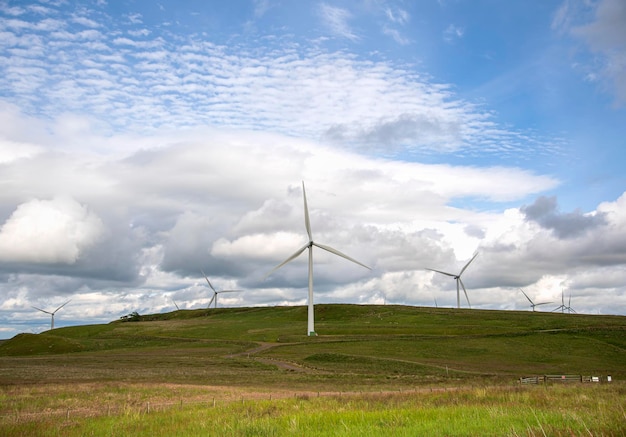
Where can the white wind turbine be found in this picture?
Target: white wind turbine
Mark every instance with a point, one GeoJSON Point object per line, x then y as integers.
{"type": "Point", "coordinates": [215, 292]}
{"type": "Point", "coordinates": [458, 280]}
{"type": "Point", "coordinates": [52, 313]}
{"type": "Point", "coordinates": [564, 307]}
{"type": "Point", "coordinates": [309, 245]}
{"type": "Point", "coordinates": [533, 304]}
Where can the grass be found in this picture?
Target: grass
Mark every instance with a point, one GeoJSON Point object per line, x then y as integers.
{"type": "Point", "coordinates": [486, 411]}
{"type": "Point", "coordinates": [388, 358]}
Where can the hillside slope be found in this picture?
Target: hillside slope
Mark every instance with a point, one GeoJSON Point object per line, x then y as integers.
{"type": "Point", "coordinates": [358, 345]}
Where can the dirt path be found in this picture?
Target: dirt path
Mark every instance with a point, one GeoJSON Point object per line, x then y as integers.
{"type": "Point", "coordinates": [281, 364]}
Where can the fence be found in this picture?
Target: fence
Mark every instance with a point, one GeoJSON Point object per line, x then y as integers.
{"type": "Point", "coordinates": [562, 379]}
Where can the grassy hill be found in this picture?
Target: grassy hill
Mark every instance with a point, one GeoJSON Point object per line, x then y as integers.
{"type": "Point", "coordinates": [362, 347]}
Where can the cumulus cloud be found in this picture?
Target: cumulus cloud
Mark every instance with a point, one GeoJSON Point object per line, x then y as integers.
{"type": "Point", "coordinates": [53, 231]}
{"type": "Point", "coordinates": [565, 225]}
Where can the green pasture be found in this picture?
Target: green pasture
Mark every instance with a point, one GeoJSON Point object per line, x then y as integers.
{"type": "Point", "coordinates": [253, 371]}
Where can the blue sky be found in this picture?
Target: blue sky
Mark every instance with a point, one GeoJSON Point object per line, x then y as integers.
{"type": "Point", "coordinates": [141, 142]}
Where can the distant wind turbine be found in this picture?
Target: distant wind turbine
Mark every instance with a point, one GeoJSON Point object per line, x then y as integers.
{"type": "Point", "coordinates": [458, 280]}
{"type": "Point", "coordinates": [215, 292]}
{"type": "Point", "coordinates": [533, 304]}
{"type": "Point", "coordinates": [569, 305]}
{"type": "Point", "coordinates": [309, 245]}
{"type": "Point", "coordinates": [52, 313]}
{"type": "Point", "coordinates": [564, 307]}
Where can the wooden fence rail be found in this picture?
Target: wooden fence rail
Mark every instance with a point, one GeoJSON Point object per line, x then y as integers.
{"type": "Point", "coordinates": [562, 379]}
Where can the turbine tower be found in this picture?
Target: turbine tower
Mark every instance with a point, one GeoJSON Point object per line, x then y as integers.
{"type": "Point", "coordinates": [309, 245]}
{"type": "Point", "coordinates": [52, 313]}
{"type": "Point", "coordinates": [533, 304]}
{"type": "Point", "coordinates": [215, 292]}
{"type": "Point", "coordinates": [458, 280]}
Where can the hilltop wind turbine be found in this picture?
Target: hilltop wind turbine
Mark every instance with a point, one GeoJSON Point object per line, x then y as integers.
{"type": "Point", "coordinates": [309, 245]}
{"type": "Point", "coordinates": [458, 280]}
{"type": "Point", "coordinates": [564, 307]}
{"type": "Point", "coordinates": [215, 292]}
{"type": "Point", "coordinates": [533, 304]}
{"type": "Point", "coordinates": [52, 313]}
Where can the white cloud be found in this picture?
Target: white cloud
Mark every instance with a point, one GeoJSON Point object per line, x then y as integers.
{"type": "Point", "coordinates": [453, 33]}
{"type": "Point", "coordinates": [135, 18]}
{"type": "Point", "coordinates": [143, 84]}
{"type": "Point", "coordinates": [261, 7]}
{"type": "Point", "coordinates": [48, 231]}
{"type": "Point", "coordinates": [399, 16]}
{"type": "Point", "coordinates": [601, 26]}
{"type": "Point", "coordinates": [396, 35]}
{"type": "Point", "coordinates": [84, 21]}
{"type": "Point", "coordinates": [336, 19]}
{"type": "Point", "coordinates": [12, 150]}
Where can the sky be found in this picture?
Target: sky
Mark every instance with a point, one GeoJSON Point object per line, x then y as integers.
{"type": "Point", "coordinates": [142, 142]}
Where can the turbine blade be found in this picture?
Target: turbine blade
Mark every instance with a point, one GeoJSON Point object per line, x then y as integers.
{"type": "Point", "coordinates": [212, 299]}
{"type": "Point", "coordinates": [531, 302]}
{"type": "Point", "coordinates": [468, 263]}
{"type": "Point", "coordinates": [228, 291]}
{"type": "Point", "coordinates": [43, 311]}
{"type": "Point", "coordinates": [336, 252]}
{"type": "Point", "coordinates": [465, 291]}
{"type": "Point", "coordinates": [292, 257]}
{"type": "Point", "coordinates": [543, 303]}
{"type": "Point", "coordinates": [307, 222]}
{"type": "Point", "coordinates": [54, 312]}
{"type": "Point", "coordinates": [207, 280]}
{"type": "Point", "coordinates": [443, 273]}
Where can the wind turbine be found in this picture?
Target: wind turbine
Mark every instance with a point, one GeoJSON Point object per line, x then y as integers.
{"type": "Point", "coordinates": [569, 305]}
{"type": "Point", "coordinates": [533, 304]}
{"type": "Point", "coordinates": [458, 280]}
{"type": "Point", "coordinates": [175, 304]}
{"type": "Point", "coordinates": [564, 307]}
{"type": "Point", "coordinates": [309, 245]}
{"type": "Point", "coordinates": [215, 292]}
{"type": "Point", "coordinates": [52, 313]}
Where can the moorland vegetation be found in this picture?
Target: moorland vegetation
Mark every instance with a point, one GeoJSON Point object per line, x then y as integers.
{"type": "Point", "coordinates": [370, 371]}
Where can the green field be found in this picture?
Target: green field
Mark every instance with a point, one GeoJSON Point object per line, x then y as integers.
{"type": "Point", "coordinates": [371, 368]}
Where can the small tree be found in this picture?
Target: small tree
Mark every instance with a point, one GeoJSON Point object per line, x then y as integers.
{"type": "Point", "coordinates": [132, 317]}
